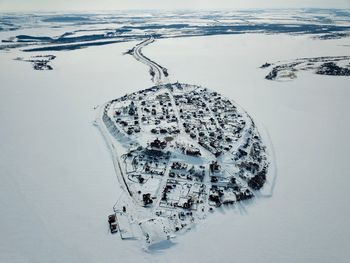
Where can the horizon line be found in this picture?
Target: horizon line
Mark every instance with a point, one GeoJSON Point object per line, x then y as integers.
{"type": "Point", "coordinates": [171, 9]}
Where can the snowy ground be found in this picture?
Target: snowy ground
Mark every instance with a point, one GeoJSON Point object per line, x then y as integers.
{"type": "Point", "coordinates": [57, 179]}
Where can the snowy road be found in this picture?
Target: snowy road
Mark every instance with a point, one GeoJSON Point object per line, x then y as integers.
{"type": "Point", "coordinates": [157, 72]}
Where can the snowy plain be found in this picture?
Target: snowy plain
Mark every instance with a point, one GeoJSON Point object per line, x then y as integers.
{"type": "Point", "coordinates": [58, 183]}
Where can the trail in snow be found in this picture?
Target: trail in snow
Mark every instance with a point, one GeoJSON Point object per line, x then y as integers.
{"type": "Point", "coordinates": [158, 72]}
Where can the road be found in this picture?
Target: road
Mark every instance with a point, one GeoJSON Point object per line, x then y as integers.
{"type": "Point", "coordinates": [158, 72]}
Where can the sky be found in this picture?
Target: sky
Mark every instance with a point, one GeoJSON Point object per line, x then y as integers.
{"type": "Point", "coordinates": [90, 5]}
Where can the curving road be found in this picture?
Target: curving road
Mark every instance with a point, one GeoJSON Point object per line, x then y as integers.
{"type": "Point", "coordinates": [158, 72]}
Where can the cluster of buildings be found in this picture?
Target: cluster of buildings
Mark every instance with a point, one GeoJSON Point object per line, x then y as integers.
{"type": "Point", "coordinates": [211, 120]}
{"type": "Point", "coordinates": [184, 150]}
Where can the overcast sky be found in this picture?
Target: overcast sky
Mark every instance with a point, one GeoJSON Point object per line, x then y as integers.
{"type": "Point", "coordinates": [89, 5]}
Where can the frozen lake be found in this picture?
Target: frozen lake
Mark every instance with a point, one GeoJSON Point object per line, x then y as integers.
{"type": "Point", "coordinates": [57, 179]}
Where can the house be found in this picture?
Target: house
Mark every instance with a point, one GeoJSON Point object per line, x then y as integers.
{"type": "Point", "coordinates": [157, 144]}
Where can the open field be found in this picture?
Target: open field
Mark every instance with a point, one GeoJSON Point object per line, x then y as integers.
{"type": "Point", "coordinates": [58, 183]}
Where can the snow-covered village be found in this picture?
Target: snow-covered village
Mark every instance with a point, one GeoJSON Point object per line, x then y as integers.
{"type": "Point", "coordinates": [181, 151]}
